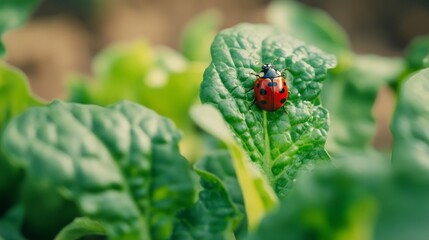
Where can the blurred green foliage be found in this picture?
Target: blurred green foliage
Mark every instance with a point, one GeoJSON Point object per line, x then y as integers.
{"type": "Point", "coordinates": [159, 78]}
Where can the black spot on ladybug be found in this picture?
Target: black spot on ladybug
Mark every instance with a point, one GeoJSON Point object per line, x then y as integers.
{"type": "Point", "coordinates": [283, 100]}
{"type": "Point", "coordinates": [263, 91]}
{"type": "Point", "coordinates": [258, 85]}
{"type": "Point", "coordinates": [263, 102]}
{"type": "Point", "coordinates": [282, 90]}
{"type": "Point", "coordinates": [272, 84]}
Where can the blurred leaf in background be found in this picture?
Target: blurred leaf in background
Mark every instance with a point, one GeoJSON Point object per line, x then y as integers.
{"type": "Point", "coordinates": [360, 199]}
{"type": "Point", "coordinates": [157, 77]}
{"type": "Point", "coordinates": [312, 25]}
{"type": "Point", "coordinates": [410, 126]}
{"type": "Point", "coordinates": [350, 97]}
{"type": "Point", "coordinates": [417, 54]}
{"type": "Point", "coordinates": [198, 35]}
{"type": "Point", "coordinates": [13, 13]}
{"type": "Point", "coordinates": [119, 166]}
{"type": "Point", "coordinates": [15, 97]}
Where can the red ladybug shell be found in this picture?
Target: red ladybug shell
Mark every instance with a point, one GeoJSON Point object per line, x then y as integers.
{"type": "Point", "coordinates": [270, 89]}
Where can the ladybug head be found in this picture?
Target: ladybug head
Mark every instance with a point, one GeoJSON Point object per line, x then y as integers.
{"type": "Point", "coordinates": [268, 71]}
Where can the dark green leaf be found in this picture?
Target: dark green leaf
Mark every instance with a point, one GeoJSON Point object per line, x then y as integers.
{"type": "Point", "coordinates": [118, 166]}
{"type": "Point", "coordinates": [10, 224]}
{"type": "Point", "coordinates": [410, 125]}
{"type": "Point", "coordinates": [81, 227]}
{"type": "Point", "coordinates": [281, 144]}
{"type": "Point", "coordinates": [215, 215]}
{"type": "Point", "coordinates": [258, 196]}
{"type": "Point", "coordinates": [360, 200]}
{"type": "Point", "coordinates": [417, 55]}
{"type": "Point", "coordinates": [220, 164]}
{"type": "Point", "coordinates": [13, 13]}
{"type": "Point", "coordinates": [349, 97]}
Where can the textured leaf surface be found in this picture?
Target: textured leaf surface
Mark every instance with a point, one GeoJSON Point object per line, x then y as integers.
{"type": "Point", "coordinates": [115, 165]}
{"type": "Point", "coordinates": [258, 196]}
{"type": "Point", "coordinates": [13, 13]}
{"type": "Point", "coordinates": [215, 215]}
{"type": "Point", "coordinates": [410, 125]}
{"type": "Point", "coordinates": [279, 143]}
{"type": "Point", "coordinates": [349, 97]}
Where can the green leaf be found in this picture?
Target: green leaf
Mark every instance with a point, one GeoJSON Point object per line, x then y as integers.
{"type": "Point", "coordinates": [311, 25]}
{"type": "Point", "coordinates": [15, 97]}
{"type": "Point", "coordinates": [258, 197]}
{"type": "Point", "coordinates": [280, 144]}
{"type": "Point", "coordinates": [13, 13]}
{"type": "Point", "coordinates": [417, 53]}
{"type": "Point", "coordinates": [410, 125]}
{"type": "Point", "coordinates": [199, 34]}
{"type": "Point", "coordinates": [360, 199]}
{"type": "Point", "coordinates": [119, 166]}
{"type": "Point", "coordinates": [81, 227]}
{"type": "Point", "coordinates": [10, 224]}
{"type": "Point", "coordinates": [349, 97]}
{"type": "Point", "coordinates": [220, 164]}
{"type": "Point", "coordinates": [158, 78]}
{"type": "Point", "coordinates": [215, 214]}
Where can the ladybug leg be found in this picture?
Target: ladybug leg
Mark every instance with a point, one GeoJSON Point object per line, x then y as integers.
{"type": "Point", "coordinates": [284, 109]}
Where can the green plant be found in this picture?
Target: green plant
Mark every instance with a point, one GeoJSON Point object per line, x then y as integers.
{"type": "Point", "coordinates": [96, 165]}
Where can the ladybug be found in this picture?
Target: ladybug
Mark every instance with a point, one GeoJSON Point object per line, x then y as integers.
{"type": "Point", "coordinates": [270, 89]}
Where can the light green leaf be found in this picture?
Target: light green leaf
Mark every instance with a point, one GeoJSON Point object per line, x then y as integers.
{"type": "Point", "coordinates": [349, 97]}
{"type": "Point", "coordinates": [15, 95]}
{"type": "Point", "coordinates": [312, 25]}
{"type": "Point", "coordinates": [159, 78]}
{"type": "Point", "coordinates": [258, 196]}
{"type": "Point", "coordinates": [117, 165]}
{"type": "Point", "coordinates": [13, 13]}
{"type": "Point", "coordinates": [81, 227]}
{"type": "Point", "coordinates": [199, 34]}
{"type": "Point", "coordinates": [215, 215]}
{"type": "Point", "coordinates": [410, 125]}
{"type": "Point", "coordinates": [280, 144]}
